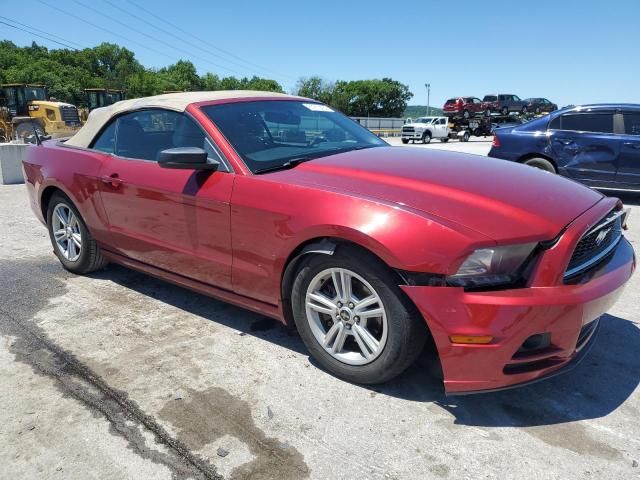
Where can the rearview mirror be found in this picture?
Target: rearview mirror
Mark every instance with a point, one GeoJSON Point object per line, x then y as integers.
{"type": "Point", "coordinates": [193, 158]}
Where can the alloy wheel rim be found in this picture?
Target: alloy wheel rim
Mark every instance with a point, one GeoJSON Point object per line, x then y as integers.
{"type": "Point", "coordinates": [66, 232]}
{"type": "Point", "coordinates": [346, 316]}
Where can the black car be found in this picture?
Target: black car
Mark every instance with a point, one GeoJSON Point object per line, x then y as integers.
{"type": "Point", "coordinates": [598, 145]}
{"type": "Point", "coordinates": [540, 105]}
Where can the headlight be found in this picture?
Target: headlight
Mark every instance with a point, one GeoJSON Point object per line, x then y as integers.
{"type": "Point", "coordinates": [490, 267]}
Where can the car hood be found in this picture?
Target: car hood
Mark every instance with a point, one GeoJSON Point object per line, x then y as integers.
{"type": "Point", "coordinates": [499, 199]}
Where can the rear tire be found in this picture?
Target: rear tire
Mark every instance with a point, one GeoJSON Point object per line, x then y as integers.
{"type": "Point", "coordinates": [505, 111]}
{"type": "Point", "coordinates": [465, 137]}
{"type": "Point", "coordinates": [405, 329]}
{"type": "Point", "coordinates": [72, 243]}
{"type": "Point", "coordinates": [466, 115]}
{"type": "Point", "coordinates": [541, 163]}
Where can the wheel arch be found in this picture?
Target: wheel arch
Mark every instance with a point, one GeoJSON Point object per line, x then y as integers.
{"type": "Point", "coordinates": [326, 245]}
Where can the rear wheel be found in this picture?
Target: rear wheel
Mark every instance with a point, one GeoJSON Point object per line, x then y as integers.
{"type": "Point", "coordinates": [538, 110]}
{"type": "Point", "coordinates": [354, 319]}
{"type": "Point", "coordinates": [71, 240]}
{"type": "Point", "coordinates": [444, 139]}
{"type": "Point", "coordinates": [466, 115]}
{"type": "Point", "coordinates": [541, 163]}
{"type": "Point", "coordinates": [426, 137]}
{"type": "Point", "coordinates": [465, 137]}
{"type": "Point", "coordinates": [487, 112]}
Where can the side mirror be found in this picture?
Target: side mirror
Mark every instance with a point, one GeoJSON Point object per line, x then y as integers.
{"type": "Point", "coordinates": [192, 158]}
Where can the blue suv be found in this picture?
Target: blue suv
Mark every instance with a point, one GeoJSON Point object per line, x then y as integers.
{"type": "Point", "coordinates": [598, 145]}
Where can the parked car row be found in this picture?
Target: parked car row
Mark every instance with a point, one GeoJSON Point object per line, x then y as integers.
{"type": "Point", "coordinates": [500, 103]}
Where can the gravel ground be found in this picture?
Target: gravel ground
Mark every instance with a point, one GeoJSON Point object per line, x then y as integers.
{"type": "Point", "coordinates": [118, 375]}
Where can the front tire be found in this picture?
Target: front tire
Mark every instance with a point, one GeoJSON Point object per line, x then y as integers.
{"type": "Point", "coordinates": [405, 140]}
{"type": "Point", "coordinates": [541, 163]}
{"type": "Point", "coordinates": [426, 137]}
{"type": "Point", "coordinates": [71, 240]}
{"type": "Point", "coordinates": [353, 318]}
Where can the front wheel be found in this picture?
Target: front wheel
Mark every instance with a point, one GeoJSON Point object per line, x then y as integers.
{"type": "Point", "coordinates": [354, 319]}
{"type": "Point", "coordinates": [465, 137]}
{"type": "Point", "coordinates": [405, 140]}
{"type": "Point", "coordinates": [71, 240]}
{"type": "Point", "coordinates": [426, 137]}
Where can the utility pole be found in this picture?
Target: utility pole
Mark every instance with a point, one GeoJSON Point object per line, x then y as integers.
{"type": "Point", "coordinates": [428, 86]}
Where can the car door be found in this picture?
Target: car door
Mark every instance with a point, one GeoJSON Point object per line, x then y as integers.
{"type": "Point", "coordinates": [628, 172]}
{"type": "Point", "coordinates": [173, 219]}
{"type": "Point", "coordinates": [439, 126]}
{"type": "Point", "coordinates": [585, 146]}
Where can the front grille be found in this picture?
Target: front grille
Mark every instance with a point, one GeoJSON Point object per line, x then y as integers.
{"type": "Point", "coordinates": [408, 129]}
{"type": "Point", "coordinates": [69, 115]}
{"type": "Point", "coordinates": [596, 244]}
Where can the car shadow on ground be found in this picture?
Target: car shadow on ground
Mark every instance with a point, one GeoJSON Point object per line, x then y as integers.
{"type": "Point", "coordinates": [599, 385]}
{"type": "Point", "coordinates": [242, 321]}
{"type": "Point", "coordinates": [602, 382]}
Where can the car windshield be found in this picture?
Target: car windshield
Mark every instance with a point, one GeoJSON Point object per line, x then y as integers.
{"type": "Point", "coordinates": [279, 133]}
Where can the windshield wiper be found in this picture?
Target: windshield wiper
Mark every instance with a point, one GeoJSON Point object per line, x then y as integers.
{"type": "Point", "coordinates": [284, 166]}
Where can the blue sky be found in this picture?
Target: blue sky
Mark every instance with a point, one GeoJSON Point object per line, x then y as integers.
{"type": "Point", "coordinates": [569, 51]}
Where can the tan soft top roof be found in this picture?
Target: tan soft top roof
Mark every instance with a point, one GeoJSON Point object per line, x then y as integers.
{"type": "Point", "coordinates": [171, 101]}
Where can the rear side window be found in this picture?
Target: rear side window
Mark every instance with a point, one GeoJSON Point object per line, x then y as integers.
{"type": "Point", "coordinates": [632, 123]}
{"type": "Point", "coordinates": [450, 101]}
{"type": "Point", "coordinates": [585, 122]}
{"type": "Point", "coordinates": [106, 141]}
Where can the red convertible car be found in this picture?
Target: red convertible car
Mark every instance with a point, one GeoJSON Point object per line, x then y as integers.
{"type": "Point", "coordinates": [286, 207]}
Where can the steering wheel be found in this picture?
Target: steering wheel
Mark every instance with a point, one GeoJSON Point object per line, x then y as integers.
{"type": "Point", "coordinates": [318, 140]}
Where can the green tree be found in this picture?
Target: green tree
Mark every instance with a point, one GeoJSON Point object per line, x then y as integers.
{"type": "Point", "coordinates": [316, 88]}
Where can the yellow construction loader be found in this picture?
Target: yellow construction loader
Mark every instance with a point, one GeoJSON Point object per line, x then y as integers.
{"type": "Point", "coordinates": [26, 113]}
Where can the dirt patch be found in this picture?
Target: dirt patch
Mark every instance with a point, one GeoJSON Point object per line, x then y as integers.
{"type": "Point", "coordinates": [573, 437]}
{"type": "Point", "coordinates": [205, 416]}
{"type": "Point", "coordinates": [32, 284]}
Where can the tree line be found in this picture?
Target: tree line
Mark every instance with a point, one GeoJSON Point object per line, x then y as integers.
{"type": "Point", "coordinates": [68, 72]}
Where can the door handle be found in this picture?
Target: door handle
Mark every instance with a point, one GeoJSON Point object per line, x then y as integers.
{"type": "Point", "coordinates": [634, 145]}
{"type": "Point", "coordinates": [112, 180]}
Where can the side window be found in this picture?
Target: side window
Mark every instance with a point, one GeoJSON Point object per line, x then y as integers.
{"type": "Point", "coordinates": [631, 123]}
{"type": "Point", "coordinates": [144, 134]}
{"type": "Point", "coordinates": [588, 122]}
{"type": "Point", "coordinates": [515, 98]}
{"type": "Point", "coordinates": [555, 123]}
{"type": "Point", "coordinates": [106, 141]}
